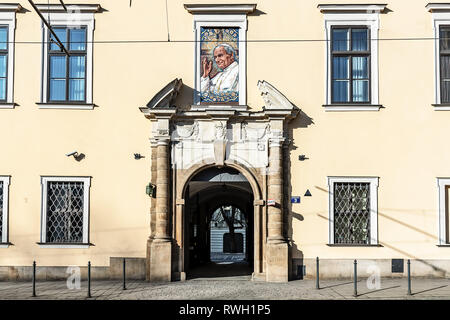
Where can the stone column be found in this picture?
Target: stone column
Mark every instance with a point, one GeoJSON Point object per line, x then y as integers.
{"type": "Point", "coordinates": [152, 209]}
{"type": "Point", "coordinates": [277, 254]}
{"type": "Point", "coordinates": [162, 191]}
{"type": "Point", "coordinates": [161, 247]}
{"type": "Point", "coordinates": [275, 192]}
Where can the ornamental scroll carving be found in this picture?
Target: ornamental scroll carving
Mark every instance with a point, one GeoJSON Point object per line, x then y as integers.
{"type": "Point", "coordinates": [186, 130]}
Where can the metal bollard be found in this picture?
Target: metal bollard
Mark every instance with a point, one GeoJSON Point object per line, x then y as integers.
{"type": "Point", "coordinates": [89, 280]}
{"type": "Point", "coordinates": [34, 279]}
{"type": "Point", "coordinates": [124, 274]}
{"type": "Point", "coordinates": [317, 273]}
{"type": "Point", "coordinates": [409, 277]}
{"type": "Point", "coordinates": [355, 279]}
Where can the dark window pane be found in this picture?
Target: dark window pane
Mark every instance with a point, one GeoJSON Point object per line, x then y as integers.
{"type": "Point", "coordinates": [340, 91]}
{"type": "Point", "coordinates": [340, 68]}
{"type": "Point", "coordinates": [445, 91]}
{"type": "Point", "coordinates": [444, 36]}
{"type": "Point", "coordinates": [360, 39]}
{"type": "Point", "coordinates": [340, 39]}
{"type": "Point", "coordinates": [78, 39]}
{"type": "Point", "coordinates": [57, 90]}
{"type": "Point", "coordinates": [360, 68]}
{"type": "Point", "coordinates": [2, 88]}
{"type": "Point", "coordinates": [3, 38]}
{"type": "Point", "coordinates": [77, 66]}
{"type": "Point", "coordinates": [360, 90]}
{"type": "Point", "coordinates": [76, 90]}
{"type": "Point", "coordinates": [57, 67]}
{"type": "Point", "coordinates": [445, 67]}
{"type": "Point", "coordinates": [61, 33]}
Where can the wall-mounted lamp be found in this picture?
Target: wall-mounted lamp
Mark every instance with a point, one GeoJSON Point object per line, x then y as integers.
{"type": "Point", "coordinates": [138, 156]}
{"type": "Point", "coordinates": [302, 157]}
{"type": "Point", "coordinates": [150, 190]}
{"type": "Point", "coordinates": [77, 156]}
{"type": "Point", "coordinates": [308, 193]}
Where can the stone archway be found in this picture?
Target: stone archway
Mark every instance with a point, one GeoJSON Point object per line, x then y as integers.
{"type": "Point", "coordinates": [187, 140]}
{"type": "Point", "coordinates": [205, 192]}
{"type": "Point", "coordinates": [202, 192]}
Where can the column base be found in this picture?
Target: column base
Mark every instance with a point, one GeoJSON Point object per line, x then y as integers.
{"type": "Point", "coordinates": [160, 261]}
{"type": "Point", "coordinates": [277, 262]}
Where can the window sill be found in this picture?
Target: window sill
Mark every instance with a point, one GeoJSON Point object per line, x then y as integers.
{"type": "Point", "coordinates": [441, 107]}
{"type": "Point", "coordinates": [352, 107]}
{"type": "Point", "coordinates": [5, 244]}
{"type": "Point", "coordinates": [64, 245]}
{"type": "Point", "coordinates": [7, 105]}
{"type": "Point", "coordinates": [75, 106]}
{"type": "Point", "coordinates": [352, 245]}
{"type": "Point", "coordinates": [443, 245]}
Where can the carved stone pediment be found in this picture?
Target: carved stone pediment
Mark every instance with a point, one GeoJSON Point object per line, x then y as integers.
{"type": "Point", "coordinates": [273, 98]}
{"type": "Point", "coordinates": [166, 96]}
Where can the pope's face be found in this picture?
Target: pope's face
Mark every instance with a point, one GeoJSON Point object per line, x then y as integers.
{"type": "Point", "coordinates": [222, 58]}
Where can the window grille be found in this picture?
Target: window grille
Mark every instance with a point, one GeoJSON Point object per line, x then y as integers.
{"type": "Point", "coordinates": [352, 213]}
{"type": "Point", "coordinates": [1, 211]}
{"type": "Point", "coordinates": [65, 212]}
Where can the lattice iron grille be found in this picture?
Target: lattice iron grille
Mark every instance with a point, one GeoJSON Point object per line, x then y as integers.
{"type": "Point", "coordinates": [352, 213]}
{"type": "Point", "coordinates": [1, 211]}
{"type": "Point", "coordinates": [65, 212]}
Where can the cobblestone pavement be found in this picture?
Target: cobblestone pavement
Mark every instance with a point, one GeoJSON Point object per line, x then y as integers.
{"type": "Point", "coordinates": [238, 288]}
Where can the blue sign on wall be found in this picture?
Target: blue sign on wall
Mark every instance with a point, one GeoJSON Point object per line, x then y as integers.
{"type": "Point", "coordinates": [295, 199]}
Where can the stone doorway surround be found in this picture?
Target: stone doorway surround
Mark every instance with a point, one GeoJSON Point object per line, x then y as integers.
{"type": "Point", "coordinates": [188, 139]}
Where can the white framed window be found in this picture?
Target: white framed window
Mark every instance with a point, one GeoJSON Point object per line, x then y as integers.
{"type": "Point", "coordinates": [67, 81]}
{"type": "Point", "coordinates": [351, 57]}
{"type": "Point", "coordinates": [444, 211]}
{"type": "Point", "coordinates": [4, 196]}
{"type": "Point", "coordinates": [440, 14]}
{"type": "Point", "coordinates": [7, 38]}
{"type": "Point", "coordinates": [232, 19]}
{"type": "Point", "coordinates": [65, 212]}
{"type": "Point", "coordinates": [353, 210]}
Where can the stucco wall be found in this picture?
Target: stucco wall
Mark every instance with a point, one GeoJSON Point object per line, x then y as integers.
{"type": "Point", "coordinates": [403, 144]}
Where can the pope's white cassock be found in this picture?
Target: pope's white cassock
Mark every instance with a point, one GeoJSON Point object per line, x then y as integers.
{"type": "Point", "coordinates": [225, 81]}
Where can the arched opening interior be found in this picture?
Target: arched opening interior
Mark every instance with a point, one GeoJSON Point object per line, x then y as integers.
{"type": "Point", "coordinates": [219, 220]}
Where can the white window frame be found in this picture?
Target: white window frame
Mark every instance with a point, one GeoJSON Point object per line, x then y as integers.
{"type": "Point", "coordinates": [223, 19]}
{"type": "Point", "coordinates": [442, 183]}
{"type": "Point", "coordinates": [8, 18]}
{"type": "Point", "coordinates": [353, 15]}
{"type": "Point", "coordinates": [86, 191]}
{"type": "Point", "coordinates": [440, 17]}
{"type": "Point", "coordinates": [75, 18]}
{"type": "Point", "coordinates": [373, 206]}
{"type": "Point", "coordinates": [4, 240]}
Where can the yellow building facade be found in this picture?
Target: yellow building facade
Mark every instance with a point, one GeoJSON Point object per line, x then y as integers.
{"type": "Point", "coordinates": [342, 104]}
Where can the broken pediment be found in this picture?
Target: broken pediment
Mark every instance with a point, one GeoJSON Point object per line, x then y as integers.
{"type": "Point", "coordinates": [273, 98]}
{"type": "Point", "coordinates": [165, 98]}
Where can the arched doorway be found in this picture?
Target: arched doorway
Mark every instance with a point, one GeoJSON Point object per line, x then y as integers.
{"type": "Point", "coordinates": [210, 195]}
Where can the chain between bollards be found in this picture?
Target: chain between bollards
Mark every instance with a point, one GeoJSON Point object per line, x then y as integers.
{"type": "Point", "coordinates": [89, 280]}
{"type": "Point", "coordinates": [355, 279]}
{"type": "Point", "coordinates": [34, 279]}
{"type": "Point", "coordinates": [409, 277]}
{"type": "Point", "coordinates": [124, 274]}
{"type": "Point", "coordinates": [317, 273]}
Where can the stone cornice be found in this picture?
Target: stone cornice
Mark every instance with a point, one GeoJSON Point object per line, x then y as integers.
{"type": "Point", "coordinates": [83, 8]}
{"type": "Point", "coordinates": [16, 7]}
{"type": "Point", "coordinates": [350, 8]}
{"type": "Point", "coordinates": [220, 8]}
{"type": "Point", "coordinates": [433, 7]}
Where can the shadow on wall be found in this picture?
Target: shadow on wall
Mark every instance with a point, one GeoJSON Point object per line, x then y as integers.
{"type": "Point", "coordinates": [404, 224]}
{"type": "Point", "coordinates": [302, 121]}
